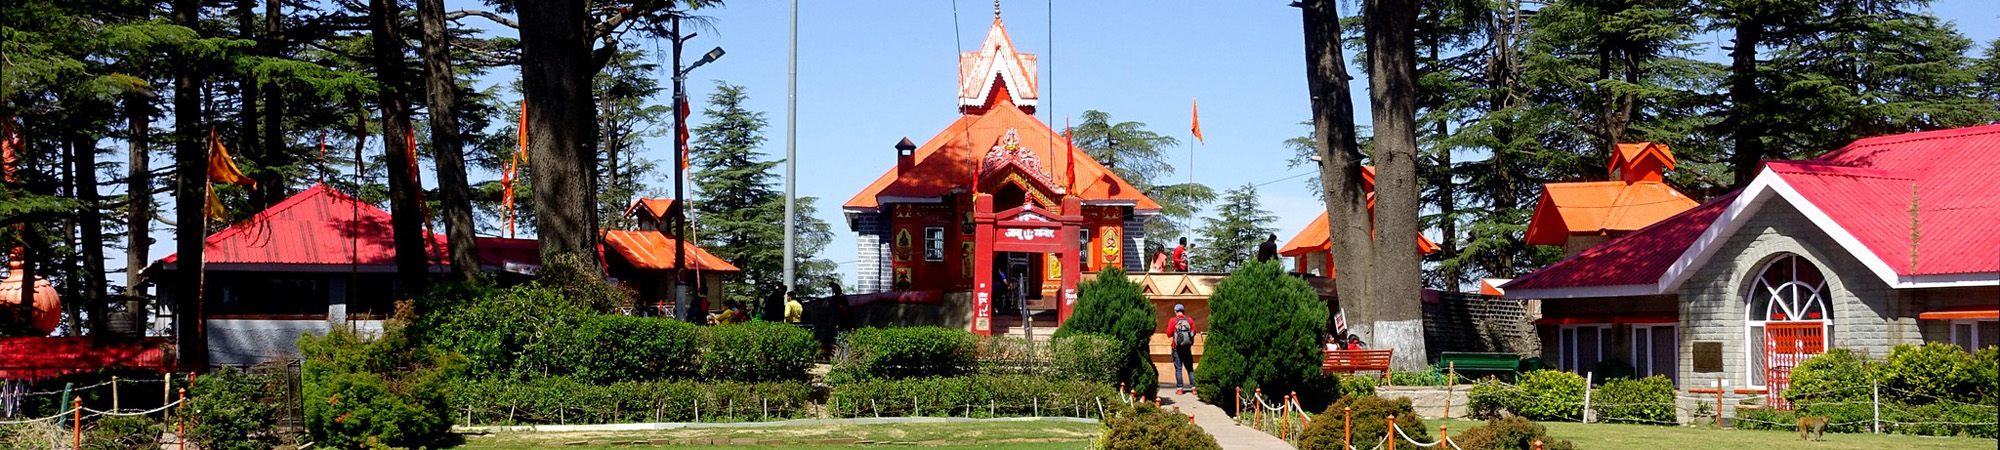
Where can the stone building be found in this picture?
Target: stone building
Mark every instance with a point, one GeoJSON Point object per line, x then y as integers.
{"type": "Point", "coordinates": [1890, 240]}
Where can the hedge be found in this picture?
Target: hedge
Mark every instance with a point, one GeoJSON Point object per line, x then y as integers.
{"type": "Point", "coordinates": [1645, 400]}
{"type": "Point", "coordinates": [560, 400]}
{"type": "Point", "coordinates": [756, 352]}
{"type": "Point", "coordinates": [1541, 395]}
{"type": "Point", "coordinates": [973, 396]}
{"type": "Point", "coordinates": [873, 353]}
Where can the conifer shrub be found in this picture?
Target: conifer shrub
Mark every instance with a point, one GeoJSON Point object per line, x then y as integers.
{"type": "Point", "coordinates": [1114, 307]}
{"type": "Point", "coordinates": [1512, 433]}
{"type": "Point", "coordinates": [230, 409]}
{"type": "Point", "coordinates": [1264, 331]}
{"type": "Point", "coordinates": [388, 391]}
{"type": "Point", "coordinates": [1369, 419]}
{"type": "Point", "coordinates": [1146, 427]}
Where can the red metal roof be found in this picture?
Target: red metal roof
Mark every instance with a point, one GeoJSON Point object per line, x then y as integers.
{"type": "Point", "coordinates": [322, 226]}
{"type": "Point", "coordinates": [1638, 258]}
{"type": "Point", "coordinates": [39, 357]}
{"type": "Point", "coordinates": [651, 250]}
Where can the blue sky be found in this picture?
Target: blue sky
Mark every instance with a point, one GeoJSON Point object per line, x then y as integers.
{"type": "Point", "coordinates": [873, 72]}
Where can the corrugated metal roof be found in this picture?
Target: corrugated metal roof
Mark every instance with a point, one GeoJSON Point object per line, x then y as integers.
{"type": "Point", "coordinates": [1638, 258]}
{"type": "Point", "coordinates": [651, 250]}
{"type": "Point", "coordinates": [323, 226]}
{"type": "Point", "coordinates": [1601, 207]}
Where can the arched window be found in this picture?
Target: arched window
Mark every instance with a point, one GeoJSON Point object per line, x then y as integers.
{"type": "Point", "coordinates": [1786, 318]}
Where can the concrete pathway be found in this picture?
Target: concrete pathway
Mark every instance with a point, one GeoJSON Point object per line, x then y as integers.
{"type": "Point", "coordinates": [1217, 423]}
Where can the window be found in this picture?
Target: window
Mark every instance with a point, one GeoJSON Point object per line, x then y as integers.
{"type": "Point", "coordinates": [1654, 351]}
{"type": "Point", "coordinates": [1791, 291]}
{"type": "Point", "coordinates": [1973, 334]}
{"type": "Point", "coordinates": [933, 244]}
{"type": "Point", "coordinates": [1083, 249]}
{"type": "Point", "coordinates": [1582, 346]}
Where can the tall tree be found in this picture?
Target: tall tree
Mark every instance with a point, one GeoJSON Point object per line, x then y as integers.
{"type": "Point", "coordinates": [741, 214]}
{"type": "Point", "coordinates": [1394, 308]}
{"type": "Point", "coordinates": [191, 163]}
{"type": "Point", "coordinates": [1230, 239]}
{"type": "Point", "coordinates": [406, 202]}
{"type": "Point", "coordinates": [441, 91]}
{"type": "Point", "coordinates": [627, 114]}
{"type": "Point", "coordinates": [1138, 156]}
{"type": "Point", "coordinates": [1340, 157]}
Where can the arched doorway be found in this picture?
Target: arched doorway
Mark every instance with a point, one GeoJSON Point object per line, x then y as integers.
{"type": "Point", "coordinates": [1786, 320]}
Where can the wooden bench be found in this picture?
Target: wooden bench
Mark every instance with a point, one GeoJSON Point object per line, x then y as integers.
{"type": "Point", "coordinates": [1475, 365]}
{"type": "Point", "coordinates": [1350, 361]}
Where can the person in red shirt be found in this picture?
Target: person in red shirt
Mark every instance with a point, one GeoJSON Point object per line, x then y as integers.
{"type": "Point", "coordinates": [1180, 256]}
{"type": "Point", "coordinates": [1182, 330]}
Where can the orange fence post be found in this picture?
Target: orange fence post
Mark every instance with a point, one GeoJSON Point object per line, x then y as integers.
{"type": "Point", "coordinates": [1258, 397]}
{"type": "Point", "coordinates": [1442, 435]}
{"type": "Point", "coordinates": [1538, 444]}
{"type": "Point", "coordinates": [1347, 427]}
{"type": "Point", "coordinates": [1392, 433]}
{"type": "Point", "coordinates": [1239, 403]}
{"type": "Point", "coordinates": [76, 418]}
{"type": "Point", "coordinates": [180, 428]}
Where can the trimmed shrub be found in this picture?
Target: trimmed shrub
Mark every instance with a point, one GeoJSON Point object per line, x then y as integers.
{"type": "Point", "coordinates": [1147, 427]}
{"type": "Point", "coordinates": [1765, 419]}
{"type": "Point", "coordinates": [387, 391]}
{"type": "Point", "coordinates": [563, 400]}
{"type": "Point", "coordinates": [1264, 332]}
{"type": "Point", "coordinates": [974, 396]}
{"type": "Point", "coordinates": [1835, 384]}
{"type": "Point", "coordinates": [626, 348]}
{"type": "Point", "coordinates": [231, 410]}
{"type": "Point", "coordinates": [1541, 395]}
{"type": "Point", "coordinates": [755, 352]}
{"type": "Point", "coordinates": [1919, 375]}
{"type": "Point", "coordinates": [1939, 419]}
{"type": "Point", "coordinates": [485, 325]}
{"type": "Point", "coordinates": [1512, 433]}
{"type": "Point", "coordinates": [909, 352]}
{"type": "Point", "coordinates": [1325, 389]}
{"type": "Point", "coordinates": [1113, 306]}
{"type": "Point", "coordinates": [1646, 400]}
{"type": "Point", "coordinates": [1082, 358]}
{"type": "Point", "coordinates": [1369, 413]}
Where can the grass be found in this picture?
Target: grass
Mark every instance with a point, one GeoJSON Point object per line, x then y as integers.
{"type": "Point", "coordinates": [965, 436]}
{"type": "Point", "coordinates": [1648, 437]}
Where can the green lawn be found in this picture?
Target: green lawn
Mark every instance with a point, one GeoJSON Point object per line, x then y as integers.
{"type": "Point", "coordinates": [1647, 437]}
{"type": "Point", "coordinates": [964, 436]}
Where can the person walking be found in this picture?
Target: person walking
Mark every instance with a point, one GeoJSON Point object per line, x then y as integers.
{"type": "Point", "coordinates": [1183, 334]}
{"type": "Point", "coordinates": [1268, 250]}
{"type": "Point", "coordinates": [1180, 256]}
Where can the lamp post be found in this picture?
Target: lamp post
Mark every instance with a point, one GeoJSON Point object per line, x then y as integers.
{"type": "Point", "coordinates": [680, 164]}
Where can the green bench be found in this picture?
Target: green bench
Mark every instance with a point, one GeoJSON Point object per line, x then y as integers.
{"type": "Point", "coordinates": [1476, 365]}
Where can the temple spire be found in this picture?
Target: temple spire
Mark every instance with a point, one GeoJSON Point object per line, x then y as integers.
{"type": "Point", "coordinates": [996, 9]}
{"type": "Point", "coordinates": [996, 68]}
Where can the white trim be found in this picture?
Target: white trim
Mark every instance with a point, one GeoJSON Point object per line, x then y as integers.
{"type": "Point", "coordinates": [887, 199]}
{"type": "Point", "coordinates": [1133, 203]}
{"type": "Point", "coordinates": [1642, 357]}
{"type": "Point", "coordinates": [1005, 57]}
{"type": "Point", "coordinates": [1628, 290]}
{"type": "Point", "coordinates": [1568, 356]}
{"type": "Point", "coordinates": [1769, 184]}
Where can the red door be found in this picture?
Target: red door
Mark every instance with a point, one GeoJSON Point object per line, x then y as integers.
{"type": "Point", "coordinates": [1786, 344]}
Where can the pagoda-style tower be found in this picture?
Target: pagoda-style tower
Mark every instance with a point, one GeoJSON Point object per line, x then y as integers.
{"type": "Point", "coordinates": [996, 194]}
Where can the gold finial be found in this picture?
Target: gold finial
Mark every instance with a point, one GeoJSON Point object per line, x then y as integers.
{"type": "Point", "coordinates": [996, 9]}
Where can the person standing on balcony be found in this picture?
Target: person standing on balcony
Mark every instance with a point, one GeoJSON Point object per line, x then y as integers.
{"type": "Point", "coordinates": [1180, 256]}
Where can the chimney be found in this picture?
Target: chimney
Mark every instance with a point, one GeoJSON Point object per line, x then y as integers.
{"type": "Point", "coordinates": [906, 155]}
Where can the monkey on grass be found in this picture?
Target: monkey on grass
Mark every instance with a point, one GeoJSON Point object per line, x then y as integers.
{"type": "Point", "coordinates": [1816, 425]}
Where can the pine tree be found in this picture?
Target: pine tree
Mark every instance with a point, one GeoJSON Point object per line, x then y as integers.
{"type": "Point", "coordinates": [1231, 237]}
{"type": "Point", "coordinates": [1138, 156]}
{"type": "Point", "coordinates": [741, 213]}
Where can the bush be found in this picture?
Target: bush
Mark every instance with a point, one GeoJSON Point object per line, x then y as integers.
{"type": "Point", "coordinates": [1082, 358]}
{"type": "Point", "coordinates": [614, 348]}
{"type": "Point", "coordinates": [1645, 400]}
{"type": "Point", "coordinates": [1939, 419]}
{"type": "Point", "coordinates": [1919, 375]}
{"type": "Point", "coordinates": [975, 396]}
{"type": "Point", "coordinates": [1114, 307]}
{"type": "Point", "coordinates": [563, 400]}
{"type": "Point", "coordinates": [1369, 413]}
{"type": "Point", "coordinates": [1147, 427]}
{"type": "Point", "coordinates": [123, 433]}
{"type": "Point", "coordinates": [1512, 433]}
{"type": "Point", "coordinates": [1325, 389]}
{"type": "Point", "coordinates": [909, 352]}
{"type": "Point", "coordinates": [231, 410]}
{"type": "Point", "coordinates": [754, 352]}
{"type": "Point", "coordinates": [1264, 332]}
{"type": "Point", "coordinates": [1765, 419]}
{"type": "Point", "coordinates": [485, 325]}
{"type": "Point", "coordinates": [1541, 395]}
{"type": "Point", "coordinates": [387, 391]}
{"type": "Point", "coordinates": [1837, 375]}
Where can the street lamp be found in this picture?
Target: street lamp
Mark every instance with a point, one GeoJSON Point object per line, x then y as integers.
{"type": "Point", "coordinates": [680, 167]}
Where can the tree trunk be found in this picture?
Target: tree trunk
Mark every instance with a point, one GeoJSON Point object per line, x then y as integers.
{"type": "Point", "coordinates": [248, 94]}
{"type": "Point", "coordinates": [1340, 160]}
{"type": "Point", "coordinates": [406, 196]}
{"type": "Point", "coordinates": [191, 160]}
{"type": "Point", "coordinates": [455, 195]}
{"type": "Point", "coordinates": [138, 190]}
{"type": "Point", "coordinates": [1744, 97]}
{"type": "Point", "coordinates": [273, 187]}
{"type": "Point", "coordinates": [90, 227]}
{"type": "Point", "coordinates": [1399, 321]}
{"type": "Point", "coordinates": [556, 77]}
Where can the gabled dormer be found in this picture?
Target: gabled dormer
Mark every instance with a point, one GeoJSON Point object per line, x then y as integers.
{"type": "Point", "coordinates": [652, 214]}
{"type": "Point", "coordinates": [996, 71]}
{"type": "Point", "coordinates": [1644, 161]}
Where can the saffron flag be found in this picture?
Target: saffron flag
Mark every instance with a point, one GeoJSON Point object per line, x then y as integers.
{"type": "Point", "coordinates": [1196, 126]}
{"type": "Point", "coordinates": [1069, 156]}
{"type": "Point", "coordinates": [681, 129]}
{"type": "Point", "coordinates": [213, 209]}
{"type": "Point", "coordinates": [507, 176]}
{"type": "Point", "coordinates": [221, 168]}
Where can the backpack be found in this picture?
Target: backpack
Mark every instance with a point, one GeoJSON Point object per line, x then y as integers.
{"type": "Point", "coordinates": [1183, 332]}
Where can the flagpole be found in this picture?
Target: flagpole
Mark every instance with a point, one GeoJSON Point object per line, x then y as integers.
{"type": "Point", "coordinates": [792, 155]}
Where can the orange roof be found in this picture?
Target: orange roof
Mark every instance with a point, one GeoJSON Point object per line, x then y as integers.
{"type": "Point", "coordinates": [651, 250]}
{"type": "Point", "coordinates": [946, 161]}
{"type": "Point", "coordinates": [1314, 239]}
{"type": "Point", "coordinates": [1601, 207]}
{"type": "Point", "coordinates": [658, 207]}
{"type": "Point", "coordinates": [1631, 154]}
{"type": "Point", "coordinates": [997, 62]}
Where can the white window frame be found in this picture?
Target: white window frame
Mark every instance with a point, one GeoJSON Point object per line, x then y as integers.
{"type": "Point", "coordinates": [1567, 357]}
{"type": "Point", "coordinates": [1974, 338]}
{"type": "Point", "coordinates": [1642, 355]}
{"type": "Point", "coordinates": [934, 245]}
{"type": "Point", "coordinates": [1755, 325]}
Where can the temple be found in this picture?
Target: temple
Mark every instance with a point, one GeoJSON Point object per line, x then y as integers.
{"type": "Point", "coordinates": [997, 213]}
{"type": "Point", "coordinates": [1579, 215]}
{"type": "Point", "coordinates": [1312, 249]}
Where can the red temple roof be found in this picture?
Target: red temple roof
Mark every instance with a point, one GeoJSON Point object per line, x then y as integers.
{"type": "Point", "coordinates": [323, 226]}
{"type": "Point", "coordinates": [651, 250]}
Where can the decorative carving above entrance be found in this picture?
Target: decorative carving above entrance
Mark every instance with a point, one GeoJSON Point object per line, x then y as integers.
{"type": "Point", "coordinates": [1009, 151]}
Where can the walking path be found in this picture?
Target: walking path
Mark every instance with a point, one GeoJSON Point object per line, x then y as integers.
{"type": "Point", "coordinates": [1218, 423]}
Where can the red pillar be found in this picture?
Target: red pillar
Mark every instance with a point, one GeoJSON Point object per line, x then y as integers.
{"type": "Point", "coordinates": [1072, 220]}
{"type": "Point", "coordinates": [982, 265]}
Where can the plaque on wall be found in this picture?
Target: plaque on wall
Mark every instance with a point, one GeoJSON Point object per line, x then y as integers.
{"type": "Point", "coordinates": [1708, 356]}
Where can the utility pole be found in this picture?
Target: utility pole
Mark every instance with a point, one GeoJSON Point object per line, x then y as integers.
{"type": "Point", "coordinates": [680, 175]}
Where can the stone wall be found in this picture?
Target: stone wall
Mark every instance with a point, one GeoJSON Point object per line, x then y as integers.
{"type": "Point", "coordinates": [871, 270]}
{"type": "Point", "coordinates": [1461, 322]}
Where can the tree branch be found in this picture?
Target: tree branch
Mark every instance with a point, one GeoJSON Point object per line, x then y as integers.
{"type": "Point", "coordinates": [488, 15]}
